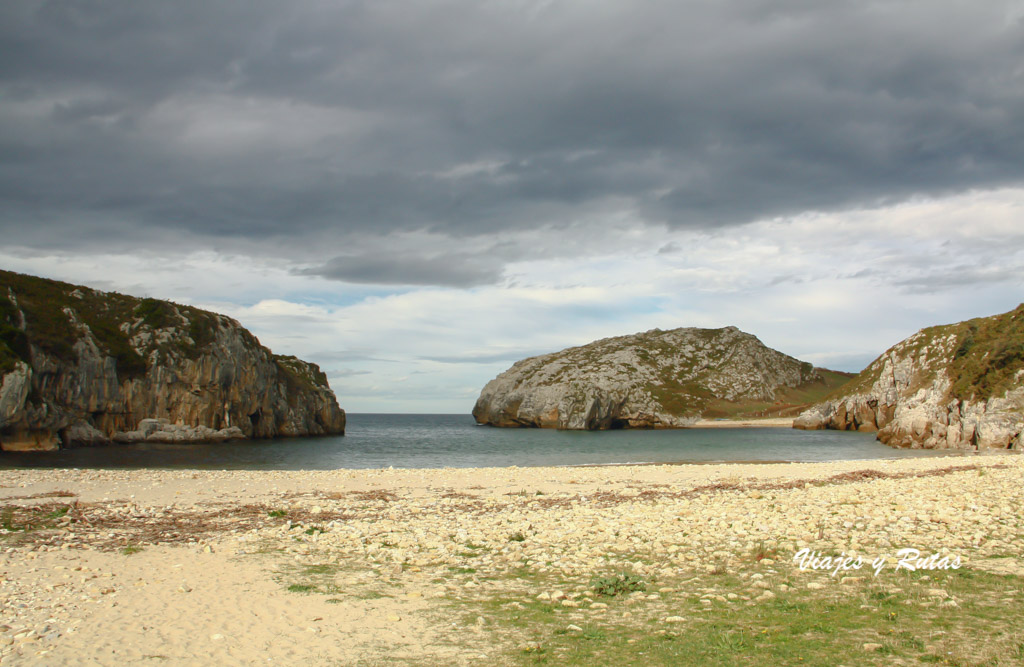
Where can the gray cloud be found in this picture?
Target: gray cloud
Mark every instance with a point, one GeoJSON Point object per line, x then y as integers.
{"type": "Point", "coordinates": [961, 277]}
{"type": "Point", "coordinates": [779, 280]}
{"type": "Point", "coordinates": [214, 124]}
{"type": "Point", "coordinates": [450, 270]}
{"type": "Point", "coordinates": [333, 356]}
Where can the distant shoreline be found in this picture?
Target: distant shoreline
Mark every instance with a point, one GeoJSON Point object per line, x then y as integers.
{"type": "Point", "coordinates": [768, 422]}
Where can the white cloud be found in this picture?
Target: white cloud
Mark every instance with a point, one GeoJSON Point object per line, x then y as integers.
{"type": "Point", "coordinates": [834, 289]}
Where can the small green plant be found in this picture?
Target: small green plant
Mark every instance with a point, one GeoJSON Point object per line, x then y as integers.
{"type": "Point", "coordinates": [618, 584]}
{"type": "Point", "coordinates": [313, 530]}
{"type": "Point", "coordinates": [301, 588]}
{"type": "Point", "coordinates": [59, 512]}
{"type": "Point", "coordinates": [517, 537]}
{"type": "Point", "coordinates": [762, 552]}
{"type": "Point", "coordinates": [131, 549]}
{"type": "Point", "coordinates": [277, 514]}
{"type": "Point", "coordinates": [155, 313]}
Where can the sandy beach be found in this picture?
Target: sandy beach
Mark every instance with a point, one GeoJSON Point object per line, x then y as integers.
{"type": "Point", "coordinates": [382, 566]}
{"type": "Point", "coordinates": [763, 422]}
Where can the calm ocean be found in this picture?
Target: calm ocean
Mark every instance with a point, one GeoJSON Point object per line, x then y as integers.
{"type": "Point", "coordinates": [437, 441]}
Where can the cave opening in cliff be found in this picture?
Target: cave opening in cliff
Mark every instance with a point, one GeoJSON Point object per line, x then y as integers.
{"type": "Point", "coordinates": [254, 418]}
{"type": "Point", "coordinates": [618, 424]}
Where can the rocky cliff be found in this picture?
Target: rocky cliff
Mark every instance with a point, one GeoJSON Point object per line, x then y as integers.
{"type": "Point", "coordinates": [83, 367]}
{"type": "Point", "coordinates": [657, 379]}
{"type": "Point", "coordinates": [959, 386]}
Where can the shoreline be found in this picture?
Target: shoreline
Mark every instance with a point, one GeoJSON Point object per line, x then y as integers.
{"type": "Point", "coordinates": [758, 422]}
{"type": "Point", "coordinates": [177, 485]}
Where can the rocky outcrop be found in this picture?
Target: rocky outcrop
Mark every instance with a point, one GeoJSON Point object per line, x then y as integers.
{"type": "Point", "coordinates": [657, 379]}
{"type": "Point", "coordinates": [959, 386]}
{"type": "Point", "coordinates": [83, 367]}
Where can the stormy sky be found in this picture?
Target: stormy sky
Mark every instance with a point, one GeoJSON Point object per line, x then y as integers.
{"type": "Point", "coordinates": [416, 194]}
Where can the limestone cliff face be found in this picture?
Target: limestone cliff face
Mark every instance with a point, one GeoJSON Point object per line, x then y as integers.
{"type": "Point", "coordinates": [959, 386]}
{"type": "Point", "coordinates": [657, 379]}
{"type": "Point", "coordinates": [82, 367]}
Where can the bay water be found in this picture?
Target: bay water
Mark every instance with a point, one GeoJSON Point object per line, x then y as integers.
{"type": "Point", "coordinates": [438, 441]}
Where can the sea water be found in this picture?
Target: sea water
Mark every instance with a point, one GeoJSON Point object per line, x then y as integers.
{"type": "Point", "coordinates": [438, 441]}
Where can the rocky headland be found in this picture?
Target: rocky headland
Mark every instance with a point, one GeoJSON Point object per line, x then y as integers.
{"type": "Point", "coordinates": [958, 386]}
{"type": "Point", "coordinates": [84, 367]}
{"type": "Point", "coordinates": [656, 379]}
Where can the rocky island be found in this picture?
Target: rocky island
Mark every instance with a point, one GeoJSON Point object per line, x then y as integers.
{"type": "Point", "coordinates": [957, 386]}
{"type": "Point", "coordinates": [656, 379]}
{"type": "Point", "coordinates": [84, 367]}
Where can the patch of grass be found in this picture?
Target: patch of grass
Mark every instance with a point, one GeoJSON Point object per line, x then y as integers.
{"type": "Point", "coordinates": [799, 627]}
{"type": "Point", "coordinates": [277, 514]}
{"type": "Point", "coordinates": [517, 537]}
{"type": "Point", "coordinates": [7, 521]}
{"type": "Point", "coordinates": [318, 578]}
{"type": "Point", "coordinates": [130, 549]}
{"type": "Point", "coordinates": [19, 519]}
{"type": "Point", "coordinates": [58, 513]}
{"type": "Point", "coordinates": [989, 353]}
{"type": "Point", "coordinates": [320, 568]}
{"type": "Point", "coordinates": [462, 570]}
{"type": "Point", "coordinates": [789, 401]}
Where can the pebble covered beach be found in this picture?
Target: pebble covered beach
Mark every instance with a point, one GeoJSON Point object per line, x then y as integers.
{"type": "Point", "coordinates": [104, 566]}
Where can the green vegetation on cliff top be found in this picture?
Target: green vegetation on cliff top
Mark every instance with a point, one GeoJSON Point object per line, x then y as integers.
{"type": "Point", "coordinates": [13, 342]}
{"type": "Point", "coordinates": [300, 376]}
{"type": "Point", "coordinates": [985, 355]}
{"type": "Point", "coordinates": [50, 308]}
{"type": "Point", "coordinates": [989, 353]}
{"type": "Point", "coordinates": [789, 401]}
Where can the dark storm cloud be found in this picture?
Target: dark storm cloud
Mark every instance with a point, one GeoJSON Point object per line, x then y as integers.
{"type": "Point", "coordinates": [217, 122]}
